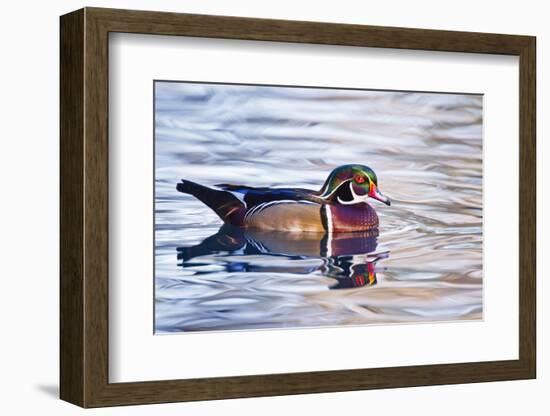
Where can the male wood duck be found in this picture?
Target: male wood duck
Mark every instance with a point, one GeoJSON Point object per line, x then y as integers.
{"type": "Point", "coordinates": [339, 206]}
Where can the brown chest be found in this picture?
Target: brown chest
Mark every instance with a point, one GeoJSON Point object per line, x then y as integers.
{"type": "Point", "coordinates": [350, 218]}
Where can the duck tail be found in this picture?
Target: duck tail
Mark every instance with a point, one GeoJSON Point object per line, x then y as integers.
{"type": "Point", "coordinates": [227, 206]}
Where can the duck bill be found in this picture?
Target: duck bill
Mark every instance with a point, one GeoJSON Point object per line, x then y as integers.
{"type": "Point", "coordinates": [376, 194]}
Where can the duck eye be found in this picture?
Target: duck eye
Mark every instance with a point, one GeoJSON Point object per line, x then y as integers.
{"type": "Point", "coordinates": [359, 179]}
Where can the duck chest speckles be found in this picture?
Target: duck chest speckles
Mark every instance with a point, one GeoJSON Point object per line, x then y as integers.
{"type": "Point", "coordinates": [349, 218]}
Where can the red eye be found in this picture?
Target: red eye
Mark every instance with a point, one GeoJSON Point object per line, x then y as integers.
{"type": "Point", "coordinates": [359, 179]}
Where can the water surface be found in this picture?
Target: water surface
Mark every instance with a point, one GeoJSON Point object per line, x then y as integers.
{"type": "Point", "coordinates": [424, 265]}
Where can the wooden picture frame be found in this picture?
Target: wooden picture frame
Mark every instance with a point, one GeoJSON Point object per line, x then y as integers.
{"type": "Point", "coordinates": [84, 207]}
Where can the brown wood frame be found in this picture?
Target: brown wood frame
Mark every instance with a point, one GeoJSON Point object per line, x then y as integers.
{"type": "Point", "coordinates": [84, 207]}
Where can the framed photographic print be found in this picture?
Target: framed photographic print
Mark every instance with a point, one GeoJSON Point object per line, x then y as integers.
{"type": "Point", "coordinates": [255, 207]}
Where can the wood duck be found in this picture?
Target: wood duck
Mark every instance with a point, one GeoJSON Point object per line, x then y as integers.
{"type": "Point", "coordinates": [339, 206]}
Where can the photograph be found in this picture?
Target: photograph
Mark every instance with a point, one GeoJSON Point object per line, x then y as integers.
{"type": "Point", "coordinates": [282, 204]}
{"type": "Point", "coordinates": [319, 208]}
{"type": "Point", "coordinates": [285, 207]}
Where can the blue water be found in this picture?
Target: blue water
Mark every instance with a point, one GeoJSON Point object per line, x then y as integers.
{"type": "Point", "coordinates": [425, 264]}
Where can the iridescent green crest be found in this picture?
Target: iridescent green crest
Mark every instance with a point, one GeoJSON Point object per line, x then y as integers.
{"type": "Point", "coordinates": [360, 176]}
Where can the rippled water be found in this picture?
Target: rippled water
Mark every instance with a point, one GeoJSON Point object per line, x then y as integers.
{"type": "Point", "coordinates": [426, 262]}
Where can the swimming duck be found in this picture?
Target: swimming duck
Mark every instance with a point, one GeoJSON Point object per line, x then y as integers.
{"type": "Point", "coordinates": [339, 206]}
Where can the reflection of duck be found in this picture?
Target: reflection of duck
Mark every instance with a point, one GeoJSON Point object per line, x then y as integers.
{"type": "Point", "coordinates": [347, 257]}
{"type": "Point", "coordinates": [339, 206]}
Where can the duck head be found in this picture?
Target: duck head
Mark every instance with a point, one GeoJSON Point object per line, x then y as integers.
{"type": "Point", "coordinates": [352, 184]}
